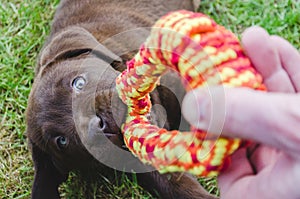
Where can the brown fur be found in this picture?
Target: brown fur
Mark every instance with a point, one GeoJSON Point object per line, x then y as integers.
{"type": "Point", "coordinates": [80, 44]}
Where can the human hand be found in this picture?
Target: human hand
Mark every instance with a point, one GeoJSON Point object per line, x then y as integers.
{"type": "Point", "coordinates": [271, 170]}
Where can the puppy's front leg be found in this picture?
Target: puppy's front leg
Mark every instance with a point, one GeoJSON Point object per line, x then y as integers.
{"type": "Point", "coordinates": [173, 185]}
{"type": "Point", "coordinates": [46, 176]}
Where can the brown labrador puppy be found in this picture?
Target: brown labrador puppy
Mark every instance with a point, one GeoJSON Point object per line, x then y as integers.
{"type": "Point", "coordinates": [74, 114]}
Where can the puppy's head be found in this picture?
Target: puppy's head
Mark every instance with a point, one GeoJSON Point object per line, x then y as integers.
{"type": "Point", "coordinates": [71, 100]}
{"type": "Point", "coordinates": [74, 111]}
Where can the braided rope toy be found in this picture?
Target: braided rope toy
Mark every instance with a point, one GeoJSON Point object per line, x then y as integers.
{"type": "Point", "coordinates": [203, 52]}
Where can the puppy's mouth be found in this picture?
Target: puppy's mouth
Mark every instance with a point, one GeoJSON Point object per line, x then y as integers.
{"type": "Point", "coordinates": [100, 127]}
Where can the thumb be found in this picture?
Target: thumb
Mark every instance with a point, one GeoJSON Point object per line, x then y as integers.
{"type": "Point", "coordinates": [269, 118]}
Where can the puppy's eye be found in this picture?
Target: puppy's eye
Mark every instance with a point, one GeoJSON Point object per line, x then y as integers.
{"type": "Point", "coordinates": [61, 142]}
{"type": "Point", "coordinates": [78, 83]}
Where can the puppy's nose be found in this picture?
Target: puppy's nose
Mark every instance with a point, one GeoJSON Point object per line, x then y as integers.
{"type": "Point", "coordinates": [94, 125]}
{"type": "Point", "coordinates": [111, 109]}
{"type": "Point", "coordinates": [94, 134]}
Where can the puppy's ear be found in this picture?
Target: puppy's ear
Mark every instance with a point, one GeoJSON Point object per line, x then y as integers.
{"type": "Point", "coordinates": [47, 177]}
{"type": "Point", "coordinates": [70, 43]}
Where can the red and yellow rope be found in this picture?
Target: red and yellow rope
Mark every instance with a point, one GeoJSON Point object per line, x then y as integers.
{"type": "Point", "coordinates": [203, 52]}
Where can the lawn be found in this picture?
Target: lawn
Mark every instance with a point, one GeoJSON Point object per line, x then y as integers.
{"type": "Point", "coordinates": [24, 26]}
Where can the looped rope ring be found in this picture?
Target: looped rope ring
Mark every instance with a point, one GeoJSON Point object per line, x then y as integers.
{"type": "Point", "coordinates": [202, 52]}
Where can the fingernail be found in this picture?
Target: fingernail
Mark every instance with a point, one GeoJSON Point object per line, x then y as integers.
{"type": "Point", "coordinates": [194, 107]}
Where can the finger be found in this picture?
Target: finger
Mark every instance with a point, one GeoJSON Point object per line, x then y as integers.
{"type": "Point", "coordinates": [239, 168]}
{"type": "Point", "coordinates": [269, 118]}
{"type": "Point", "coordinates": [290, 59]}
{"type": "Point", "coordinates": [277, 180]}
{"type": "Point", "coordinates": [263, 156]}
{"type": "Point", "coordinates": [264, 55]}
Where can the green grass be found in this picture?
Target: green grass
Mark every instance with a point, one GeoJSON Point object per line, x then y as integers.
{"type": "Point", "coordinates": [281, 17]}
{"type": "Point", "coordinates": [23, 28]}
